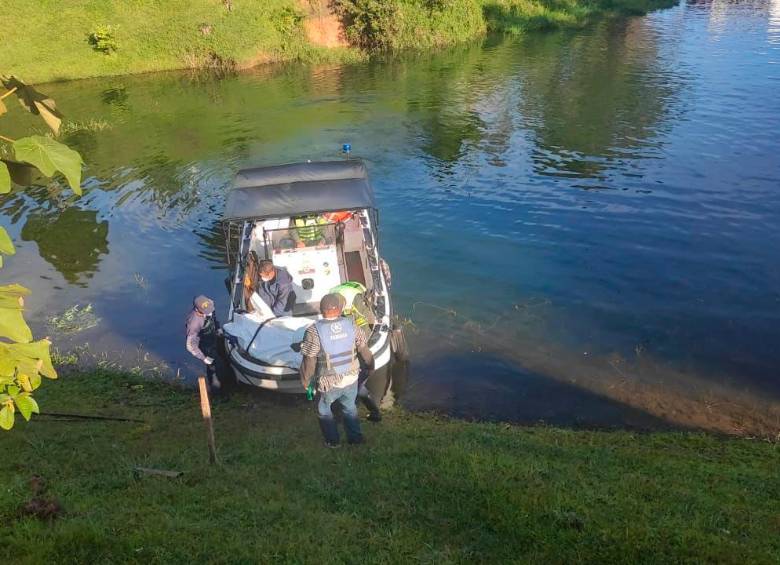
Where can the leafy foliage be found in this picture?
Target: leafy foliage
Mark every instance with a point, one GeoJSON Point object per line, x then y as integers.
{"type": "Point", "coordinates": [49, 157]}
{"type": "Point", "coordinates": [23, 362]}
{"type": "Point", "coordinates": [287, 21]}
{"type": "Point", "coordinates": [102, 39]}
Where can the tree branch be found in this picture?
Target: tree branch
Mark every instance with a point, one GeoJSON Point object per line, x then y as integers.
{"type": "Point", "coordinates": [8, 139]}
{"type": "Point", "coordinates": [9, 93]}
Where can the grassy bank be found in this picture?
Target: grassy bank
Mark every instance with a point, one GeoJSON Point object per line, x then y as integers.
{"type": "Point", "coordinates": [421, 489]}
{"type": "Point", "coordinates": [47, 40]}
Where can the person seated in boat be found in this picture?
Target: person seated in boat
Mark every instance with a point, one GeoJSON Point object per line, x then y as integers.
{"type": "Point", "coordinates": [274, 287]}
{"type": "Point", "coordinates": [308, 230]}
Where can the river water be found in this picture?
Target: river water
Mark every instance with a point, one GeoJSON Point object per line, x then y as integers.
{"type": "Point", "coordinates": [582, 226]}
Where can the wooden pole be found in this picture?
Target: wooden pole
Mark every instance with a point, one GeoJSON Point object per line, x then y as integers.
{"type": "Point", "coordinates": [205, 409]}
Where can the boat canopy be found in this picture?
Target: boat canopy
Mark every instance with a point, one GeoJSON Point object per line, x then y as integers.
{"type": "Point", "coordinates": [299, 188]}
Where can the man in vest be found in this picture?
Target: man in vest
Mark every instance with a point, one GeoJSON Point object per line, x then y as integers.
{"type": "Point", "coordinates": [330, 348]}
{"type": "Point", "coordinates": [308, 230]}
{"type": "Point", "coordinates": [352, 295]}
{"type": "Point", "coordinates": [202, 331]}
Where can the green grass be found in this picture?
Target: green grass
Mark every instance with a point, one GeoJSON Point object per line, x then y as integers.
{"type": "Point", "coordinates": [49, 40]}
{"type": "Point", "coordinates": [421, 490]}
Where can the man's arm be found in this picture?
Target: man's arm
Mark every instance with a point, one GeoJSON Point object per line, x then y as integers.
{"type": "Point", "coordinates": [308, 366]}
{"type": "Point", "coordinates": [194, 325]}
{"type": "Point", "coordinates": [310, 348]}
{"type": "Point", "coordinates": [361, 344]}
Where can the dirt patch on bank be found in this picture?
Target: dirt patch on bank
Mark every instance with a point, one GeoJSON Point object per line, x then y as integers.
{"type": "Point", "coordinates": [322, 25]}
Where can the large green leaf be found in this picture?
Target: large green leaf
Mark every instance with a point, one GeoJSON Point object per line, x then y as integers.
{"type": "Point", "coordinates": [37, 351]}
{"type": "Point", "coordinates": [6, 245]}
{"type": "Point", "coordinates": [5, 178]}
{"type": "Point", "coordinates": [13, 326]}
{"type": "Point", "coordinates": [26, 405]}
{"type": "Point", "coordinates": [7, 416]}
{"type": "Point", "coordinates": [14, 290]}
{"type": "Point", "coordinates": [50, 156]}
{"type": "Point", "coordinates": [7, 367]}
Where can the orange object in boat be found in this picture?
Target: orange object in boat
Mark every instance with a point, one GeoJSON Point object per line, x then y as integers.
{"type": "Point", "coordinates": [337, 216]}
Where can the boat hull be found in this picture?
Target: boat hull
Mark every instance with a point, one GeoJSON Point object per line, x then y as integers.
{"type": "Point", "coordinates": [287, 380]}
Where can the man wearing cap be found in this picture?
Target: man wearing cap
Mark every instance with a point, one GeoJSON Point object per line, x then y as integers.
{"type": "Point", "coordinates": [202, 332]}
{"type": "Point", "coordinates": [330, 347]}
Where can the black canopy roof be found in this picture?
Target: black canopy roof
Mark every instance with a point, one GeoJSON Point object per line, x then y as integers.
{"type": "Point", "coordinates": [299, 188]}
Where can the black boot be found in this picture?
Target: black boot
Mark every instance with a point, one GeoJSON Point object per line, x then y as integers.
{"type": "Point", "coordinates": [329, 431]}
{"type": "Point", "coordinates": [374, 415]}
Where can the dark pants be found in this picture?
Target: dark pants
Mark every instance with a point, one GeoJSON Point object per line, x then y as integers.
{"type": "Point", "coordinates": [364, 395]}
{"type": "Point", "coordinates": [346, 398]}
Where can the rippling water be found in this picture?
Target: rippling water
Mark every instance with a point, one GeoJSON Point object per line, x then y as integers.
{"type": "Point", "coordinates": [582, 226]}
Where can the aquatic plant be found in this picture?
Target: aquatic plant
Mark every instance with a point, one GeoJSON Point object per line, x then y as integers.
{"type": "Point", "coordinates": [73, 320]}
{"type": "Point", "coordinates": [91, 125]}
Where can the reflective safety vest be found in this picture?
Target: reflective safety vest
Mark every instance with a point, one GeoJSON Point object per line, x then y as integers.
{"type": "Point", "coordinates": [349, 291]}
{"type": "Point", "coordinates": [309, 229]}
{"type": "Point", "coordinates": [337, 347]}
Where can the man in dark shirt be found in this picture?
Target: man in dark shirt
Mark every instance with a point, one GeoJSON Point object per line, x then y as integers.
{"type": "Point", "coordinates": [202, 331]}
{"type": "Point", "coordinates": [275, 288]}
{"type": "Point", "coordinates": [329, 349]}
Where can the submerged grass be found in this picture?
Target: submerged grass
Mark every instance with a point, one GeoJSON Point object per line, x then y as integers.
{"type": "Point", "coordinates": [49, 40]}
{"type": "Point", "coordinates": [422, 489]}
{"type": "Point", "coordinates": [73, 320]}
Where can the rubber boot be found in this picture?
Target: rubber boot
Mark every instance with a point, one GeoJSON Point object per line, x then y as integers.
{"type": "Point", "coordinates": [329, 431]}
{"type": "Point", "coordinates": [352, 427]}
{"type": "Point", "coordinates": [374, 415]}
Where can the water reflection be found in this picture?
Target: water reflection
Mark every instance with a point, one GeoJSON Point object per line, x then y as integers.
{"type": "Point", "coordinates": [71, 240]}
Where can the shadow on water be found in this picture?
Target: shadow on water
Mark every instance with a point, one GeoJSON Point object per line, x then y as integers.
{"type": "Point", "coordinates": [476, 386]}
{"type": "Point", "coordinates": [510, 372]}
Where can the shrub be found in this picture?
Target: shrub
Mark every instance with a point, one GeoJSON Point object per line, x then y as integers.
{"type": "Point", "coordinates": [102, 39]}
{"type": "Point", "coordinates": [287, 21]}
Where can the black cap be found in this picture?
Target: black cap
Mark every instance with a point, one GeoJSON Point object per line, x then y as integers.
{"type": "Point", "coordinates": [330, 302]}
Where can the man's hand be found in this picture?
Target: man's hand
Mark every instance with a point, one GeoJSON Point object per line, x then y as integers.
{"type": "Point", "coordinates": [208, 360]}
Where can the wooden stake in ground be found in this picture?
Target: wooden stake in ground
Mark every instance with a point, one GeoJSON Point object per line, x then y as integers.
{"type": "Point", "coordinates": [205, 409]}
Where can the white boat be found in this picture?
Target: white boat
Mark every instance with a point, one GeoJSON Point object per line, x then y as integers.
{"type": "Point", "coordinates": [260, 223]}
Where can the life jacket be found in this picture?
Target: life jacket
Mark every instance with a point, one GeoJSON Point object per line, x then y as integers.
{"type": "Point", "coordinates": [309, 229]}
{"type": "Point", "coordinates": [350, 291]}
{"type": "Point", "coordinates": [337, 216]}
{"type": "Point", "coordinates": [337, 349]}
{"type": "Point", "coordinates": [208, 335]}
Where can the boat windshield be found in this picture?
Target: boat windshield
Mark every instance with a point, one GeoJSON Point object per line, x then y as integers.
{"type": "Point", "coordinates": [311, 234]}
{"type": "Point", "coordinates": [313, 256]}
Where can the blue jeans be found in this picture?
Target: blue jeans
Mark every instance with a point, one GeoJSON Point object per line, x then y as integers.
{"type": "Point", "coordinates": [345, 396]}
